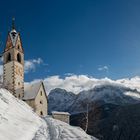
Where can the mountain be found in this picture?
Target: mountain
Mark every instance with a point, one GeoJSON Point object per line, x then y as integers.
{"type": "Point", "coordinates": [19, 122]}
{"type": "Point", "coordinates": [61, 100]}
{"type": "Point", "coordinates": [113, 110]}
{"type": "Point", "coordinates": [111, 122]}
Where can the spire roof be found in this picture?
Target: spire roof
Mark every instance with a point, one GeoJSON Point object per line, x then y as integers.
{"type": "Point", "coordinates": [13, 23]}
{"type": "Point", "coordinates": [13, 33]}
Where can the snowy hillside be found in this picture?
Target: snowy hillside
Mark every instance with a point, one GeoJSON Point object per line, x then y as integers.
{"type": "Point", "coordinates": [106, 93]}
{"type": "Point", "coordinates": [62, 131]}
{"type": "Point", "coordinates": [19, 122]}
{"type": "Point", "coordinates": [16, 118]}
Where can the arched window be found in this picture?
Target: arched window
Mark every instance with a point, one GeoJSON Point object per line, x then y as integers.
{"type": "Point", "coordinates": [8, 57]}
{"type": "Point", "coordinates": [41, 113]}
{"type": "Point", "coordinates": [41, 93]}
{"type": "Point", "coordinates": [19, 58]}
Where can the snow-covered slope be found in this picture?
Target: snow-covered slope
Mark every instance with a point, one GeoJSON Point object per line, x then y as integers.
{"type": "Point", "coordinates": [106, 93]}
{"type": "Point", "coordinates": [62, 131]}
{"type": "Point", "coordinates": [19, 122]}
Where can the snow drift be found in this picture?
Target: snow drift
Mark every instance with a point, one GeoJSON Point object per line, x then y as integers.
{"type": "Point", "coordinates": [19, 122]}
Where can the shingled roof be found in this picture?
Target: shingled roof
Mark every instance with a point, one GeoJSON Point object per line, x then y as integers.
{"type": "Point", "coordinates": [31, 91]}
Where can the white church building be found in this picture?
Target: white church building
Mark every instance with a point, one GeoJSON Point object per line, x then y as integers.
{"type": "Point", "coordinates": [13, 75]}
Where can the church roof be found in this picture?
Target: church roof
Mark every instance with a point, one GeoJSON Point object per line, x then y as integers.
{"type": "Point", "coordinates": [60, 113]}
{"type": "Point", "coordinates": [13, 33]}
{"type": "Point", "coordinates": [31, 91]}
{"type": "Point", "coordinates": [13, 39]}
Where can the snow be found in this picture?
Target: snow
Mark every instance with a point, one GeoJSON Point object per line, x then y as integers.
{"type": "Point", "coordinates": [59, 113]}
{"type": "Point", "coordinates": [61, 100]}
{"type": "Point", "coordinates": [19, 122]}
{"type": "Point", "coordinates": [16, 115]}
{"type": "Point", "coordinates": [63, 131]}
{"type": "Point", "coordinates": [132, 94]}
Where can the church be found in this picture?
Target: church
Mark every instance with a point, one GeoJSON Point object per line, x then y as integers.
{"type": "Point", "coordinates": [13, 75]}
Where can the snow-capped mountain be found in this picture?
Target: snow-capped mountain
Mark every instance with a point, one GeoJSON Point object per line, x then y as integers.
{"type": "Point", "coordinates": [60, 100]}
{"type": "Point", "coordinates": [19, 122]}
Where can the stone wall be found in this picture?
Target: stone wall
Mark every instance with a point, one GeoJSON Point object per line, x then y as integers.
{"type": "Point", "coordinates": [62, 116]}
{"type": "Point", "coordinates": [31, 103]}
{"type": "Point", "coordinates": [41, 103]}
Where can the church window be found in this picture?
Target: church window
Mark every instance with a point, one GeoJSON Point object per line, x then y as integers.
{"type": "Point", "coordinates": [41, 102]}
{"type": "Point", "coordinates": [41, 113]}
{"type": "Point", "coordinates": [19, 96]}
{"type": "Point", "coordinates": [14, 34]}
{"type": "Point", "coordinates": [41, 93]}
{"type": "Point", "coordinates": [19, 58]}
{"type": "Point", "coordinates": [8, 57]}
{"type": "Point", "coordinates": [18, 47]}
{"type": "Point", "coordinates": [19, 83]}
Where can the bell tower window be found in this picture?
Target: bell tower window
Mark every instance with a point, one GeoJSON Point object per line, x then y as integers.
{"type": "Point", "coordinates": [41, 113]}
{"type": "Point", "coordinates": [8, 57]}
{"type": "Point", "coordinates": [18, 47]}
{"type": "Point", "coordinates": [19, 58]}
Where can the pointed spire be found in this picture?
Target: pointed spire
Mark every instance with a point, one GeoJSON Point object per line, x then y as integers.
{"type": "Point", "coordinates": [13, 23]}
{"type": "Point", "coordinates": [13, 33]}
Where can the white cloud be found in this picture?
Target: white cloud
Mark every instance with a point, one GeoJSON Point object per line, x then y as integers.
{"type": "Point", "coordinates": [68, 74]}
{"type": "Point", "coordinates": [74, 83]}
{"type": "Point", "coordinates": [30, 65]}
{"type": "Point", "coordinates": [104, 68]}
{"type": "Point", "coordinates": [37, 61]}
{"type": "Point", "coordinates": [133, 83]}
{"type": "Point", "coordinates": [78, 83]}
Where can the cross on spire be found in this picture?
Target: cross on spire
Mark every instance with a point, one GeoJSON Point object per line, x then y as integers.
{"type": "Point", "coordinates": [13, 23]}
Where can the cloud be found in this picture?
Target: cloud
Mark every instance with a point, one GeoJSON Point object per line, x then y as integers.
{"type": "Point", "coordinates": [30, 65]}
{"type": "Point", "coordinates": [73, 83]}
{"type": "Point", "coordinates": [68, 74]}
{"type": "Point", "coordinates": [104, 68]}
{"type": "Point", "coordinates": [78, 83]}
{"type": "Point", "coordinates": [133, 83]}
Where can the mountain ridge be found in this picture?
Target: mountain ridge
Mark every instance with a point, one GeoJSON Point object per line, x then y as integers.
{"type": "Point", "coordinates": [106, 93]}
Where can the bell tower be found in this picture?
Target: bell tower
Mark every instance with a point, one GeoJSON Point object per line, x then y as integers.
{"type": "Point", "coordinates": [13, 63]}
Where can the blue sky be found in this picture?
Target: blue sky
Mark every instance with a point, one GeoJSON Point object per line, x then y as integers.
{"type": "Point", "coordinates": [100, 38]}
